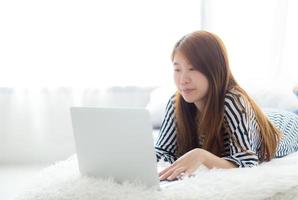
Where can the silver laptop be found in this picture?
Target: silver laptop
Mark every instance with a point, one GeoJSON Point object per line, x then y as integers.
{"type": "Point", "coordinates": [115, 142]}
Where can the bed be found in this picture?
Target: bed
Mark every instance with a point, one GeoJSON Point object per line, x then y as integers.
{"type": "Point", "coordinates": [277, 179]}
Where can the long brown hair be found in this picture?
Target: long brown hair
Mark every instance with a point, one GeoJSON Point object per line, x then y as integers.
{"type": "Point", "coordinates": [207, 54]}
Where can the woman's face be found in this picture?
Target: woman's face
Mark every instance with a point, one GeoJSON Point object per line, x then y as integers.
{"type": "Point", "coordinates": [191, 83]}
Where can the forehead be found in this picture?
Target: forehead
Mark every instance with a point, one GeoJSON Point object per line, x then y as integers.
{"type": "Point", "coordinates": [179, 58]}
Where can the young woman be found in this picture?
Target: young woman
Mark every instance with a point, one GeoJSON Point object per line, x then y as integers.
{"type": "Point", "coordinates": [211, 120]}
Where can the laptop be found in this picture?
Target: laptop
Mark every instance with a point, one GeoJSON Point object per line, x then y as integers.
{"type": "Point", "coordinates": [117, 143]}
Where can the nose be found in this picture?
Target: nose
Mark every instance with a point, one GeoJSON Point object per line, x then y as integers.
{"type": "Point", "coordinates": [185, 79]}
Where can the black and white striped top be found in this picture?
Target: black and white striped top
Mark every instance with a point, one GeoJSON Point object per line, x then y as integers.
{"type": "Point", "coordinates": [243, 127]}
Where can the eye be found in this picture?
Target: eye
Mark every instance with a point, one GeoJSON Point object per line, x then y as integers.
{"type": "Point", "coordinates": [177, 70]}
{"type": "Point", "coordinates": [192, 69]}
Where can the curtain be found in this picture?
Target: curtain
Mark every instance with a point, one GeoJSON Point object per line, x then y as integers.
{"type": "Point", "coordinates": [35, 123]}
{"type": "Point", "coordinates": [289, 66]}
{"type": "Point", "coordinates": [259, 36]}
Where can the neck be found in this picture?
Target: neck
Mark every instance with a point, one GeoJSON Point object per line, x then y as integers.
{"type": "Point", "coordinates": [199, 105]}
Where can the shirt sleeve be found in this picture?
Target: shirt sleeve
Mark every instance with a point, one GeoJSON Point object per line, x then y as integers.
{"type": "Point", "coordinates": [165, 146]}
{"type": "Point", "coordinates": [240, 141]}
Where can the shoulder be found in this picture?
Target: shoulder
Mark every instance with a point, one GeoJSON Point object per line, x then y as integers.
{"type": "Point", "coordinates": [170, 107]}
{"type": "Point", "coordinates": [237, 109]}
{"type": "Point", "coordinates": [173, 98]}
{"type": "Point", "coordinates": [171, 102]}
{"type": "Point", "coordinates": [234, 101]}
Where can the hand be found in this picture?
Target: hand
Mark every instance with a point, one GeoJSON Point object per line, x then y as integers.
{"type": "Point", "coordinates": [185, 165]}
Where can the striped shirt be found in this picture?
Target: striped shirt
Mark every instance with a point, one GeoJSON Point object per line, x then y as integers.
{"type": "Point", "coordinates": [243, 145]}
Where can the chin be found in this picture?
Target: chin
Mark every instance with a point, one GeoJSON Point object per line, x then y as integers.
{"type": "Point", "coordinates": [188, 100]}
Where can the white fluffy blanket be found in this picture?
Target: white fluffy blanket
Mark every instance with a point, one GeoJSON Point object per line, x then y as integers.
{"type": "Point", "coordinates": [277, 179]}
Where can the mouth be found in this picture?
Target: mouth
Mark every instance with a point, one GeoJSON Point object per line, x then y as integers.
{"type": "Point", "coordinates": [187, 91]}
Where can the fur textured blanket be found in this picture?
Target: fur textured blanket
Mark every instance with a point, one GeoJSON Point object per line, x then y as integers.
{"type": "Point", "coordinates": [277, 179]}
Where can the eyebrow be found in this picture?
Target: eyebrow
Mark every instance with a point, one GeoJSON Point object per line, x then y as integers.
{"type": "Point", "coordinates": [178, 64]}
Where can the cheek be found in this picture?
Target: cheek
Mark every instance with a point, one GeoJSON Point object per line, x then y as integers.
{"type": "Point", "coordinates": [206, 86]}
{"type": "Point", "coordinates": [176, 78]}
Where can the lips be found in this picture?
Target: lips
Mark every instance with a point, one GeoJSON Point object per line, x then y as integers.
{"type": "Point", "coordinates": [187, 91]}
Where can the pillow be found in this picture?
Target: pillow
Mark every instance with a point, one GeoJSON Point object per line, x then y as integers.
{"type": "Point", "coordinates": [266, 96]}
{"type": "Point", "coordinates": [295, 90]}
{"type": "Point", "coordinates": [274, 96]}
{"type": "Point", "coordinates": [157, 104]}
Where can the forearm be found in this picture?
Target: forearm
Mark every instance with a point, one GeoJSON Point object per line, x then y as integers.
{"type": "Point", "coordinates": [212, 161]}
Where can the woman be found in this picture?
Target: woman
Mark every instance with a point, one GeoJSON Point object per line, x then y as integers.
{"type": "Point", "coordinates": [211, 120]}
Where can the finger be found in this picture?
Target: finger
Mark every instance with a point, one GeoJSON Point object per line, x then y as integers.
{"type": "Point", "coordinates": [189, 172]}
{"type": "Point", "coordinates": [177, 173]}
{"type": "Point", "coordinates": [172, 174]}
{"type": "Point", "coordinates": [164, 170]}
{"type": "Point", "coordinates": [174, 164]}
{"type": "Point", "coordinates": [167, 174]}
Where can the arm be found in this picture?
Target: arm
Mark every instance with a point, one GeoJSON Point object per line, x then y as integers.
{"type": "Point", "coordinates": [212, 161]}
{"type": "Point", "coordinates": [165, 146]}
{"type": "Point", "coordinates": [244, 134]}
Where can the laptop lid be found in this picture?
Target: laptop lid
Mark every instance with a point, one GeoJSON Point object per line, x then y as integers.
{"type": "Point", "coordinates": [115, 142]}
